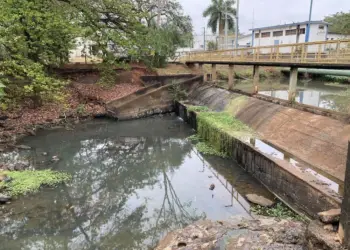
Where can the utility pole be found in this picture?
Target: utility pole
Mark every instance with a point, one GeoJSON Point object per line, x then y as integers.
{"type": "Point", "coordinates": [226, 27]}
{"type": "Point", "coordinates": [160, 5]}
{"type": "Point", "coordinates": [237, 25]}
{"type": "Point", "coordinates": [204, 38]}
{"type": "Point", "coordinates": [307, 35]}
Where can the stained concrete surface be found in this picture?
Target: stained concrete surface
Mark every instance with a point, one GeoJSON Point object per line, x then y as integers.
{"type": "Point", "coordinates": [319, 141]}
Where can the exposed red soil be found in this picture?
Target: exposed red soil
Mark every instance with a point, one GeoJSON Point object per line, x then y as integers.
{"type": "Point", "coordinates": [85, 98]}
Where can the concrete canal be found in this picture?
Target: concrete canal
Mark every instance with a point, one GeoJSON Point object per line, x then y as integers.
{"type": "Point", "coordinates": [133, 182]}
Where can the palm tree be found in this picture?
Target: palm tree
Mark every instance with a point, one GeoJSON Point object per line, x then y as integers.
{"type": "Point", "coordinates": [216, 12]}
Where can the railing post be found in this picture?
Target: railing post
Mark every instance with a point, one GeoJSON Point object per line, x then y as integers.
{"type": "Point", "coordinates": [319, 52]}
{"type": "Point", "coordinates": [344, 227]}
{"type": "Point", "coordinates": [271, 54]}
{"type": "Point", "coordinates": [337, 51]}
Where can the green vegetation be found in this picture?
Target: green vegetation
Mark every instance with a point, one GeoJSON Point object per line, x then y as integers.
{"type": "Point", "coordinates": [211, 45]}
{"type": "Point", "coordinates": [176, 92]}
{"type": "Point", "coordinates": [198, 108]}
{"type": "Point", "coordinates": [216, 13]}
{"type": "Point", "coordinates": [339, 23]}
{"type": "Point", "coordinates": [36, 36]}
{"type": "Point", "coordinates": [24, 182]}
{"type": "Point", "coordinates": [279, 210]}
{"type": "Point", "coordinates": [337, 79]}
{"type": "Point", "coordinates": [215, 131]}
{"type": "Point", "coordinates": [206, 149]}
{"type": "Point", "coordinates": [222, 121]}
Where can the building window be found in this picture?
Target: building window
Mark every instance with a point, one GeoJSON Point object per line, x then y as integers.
{"type": "Point", "coordinates": [291, 32]}
{"type": "Point", "coordinates": [278, 33]}
{"type": "Point", "coordinates": [302, 31]}
{"type": "Point", "coordinates": [266, 34]}
{"type": "Point", "coordinates": [321, 27]}
{"type": "Point", "coordinates": [257, 35]}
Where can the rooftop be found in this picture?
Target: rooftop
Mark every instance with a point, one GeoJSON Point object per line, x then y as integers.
{"type": "Point", "coordinates": [288, 25]}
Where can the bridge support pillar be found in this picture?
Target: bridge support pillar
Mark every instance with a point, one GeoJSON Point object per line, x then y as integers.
{"type": "Point", "coordinates": [201, 70]}
{"type": "Point", "coordinates": [344, 227]}
{"type": "Point", "coordinates": [230, 76]}
{"type": "Point", "coordinates": [256, 78]}
{"type": "Point", "coordinates": [293, 80]}
{"type": "Point", "coordinates": [213, 72]}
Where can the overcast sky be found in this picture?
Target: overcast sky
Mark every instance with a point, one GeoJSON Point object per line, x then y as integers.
{"type": "Point", "coordinates": [267, 12]}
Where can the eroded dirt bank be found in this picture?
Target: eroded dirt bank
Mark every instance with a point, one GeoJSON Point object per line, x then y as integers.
{"type": "Point", "coordinates": [84, 99]}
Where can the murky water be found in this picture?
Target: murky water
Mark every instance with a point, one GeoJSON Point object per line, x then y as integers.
{"type": "Point", "coordinates": [132, 183]}
{"type": "Point", "coordinates": [318, 94]}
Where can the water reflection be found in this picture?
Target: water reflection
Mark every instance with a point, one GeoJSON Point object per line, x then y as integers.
{"type": "Point", "coordinates": [318, 95]}
{"type": "Point", "coordinates": [127, 191]}
{"type": "Point", "coordinates": [274, 151]}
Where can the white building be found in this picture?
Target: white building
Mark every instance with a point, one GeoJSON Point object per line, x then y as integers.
{"type": "Point", "coordinates": [83, 51]}
{"type": "Point", "coordinates": [289, 33]}
{"type": "Point", "coordinates": [336, 36]}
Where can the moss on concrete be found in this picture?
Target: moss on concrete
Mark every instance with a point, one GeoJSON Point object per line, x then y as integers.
{"type": "Point", "coordinates": [206, 149]}
{"type": "Point", "coordinates": [198, 108]}
{"type": "Point", "coordinates": [217, 129]}
{"type": "Point", "coordinates": [24, 182]}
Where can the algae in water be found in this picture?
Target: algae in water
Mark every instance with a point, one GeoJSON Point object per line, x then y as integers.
{"type": "Point", "coordinates": [24, 182]}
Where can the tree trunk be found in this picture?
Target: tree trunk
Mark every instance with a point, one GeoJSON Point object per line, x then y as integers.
{"type": "Point", "coordinates": [221, 27]}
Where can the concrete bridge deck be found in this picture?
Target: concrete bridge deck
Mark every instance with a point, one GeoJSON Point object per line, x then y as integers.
{"type": "Point", "coordinates": [324, 54]}
{"type": "Point", "coordinates": [319, 55]}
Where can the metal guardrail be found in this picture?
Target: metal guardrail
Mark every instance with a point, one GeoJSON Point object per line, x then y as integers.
{"type": "Point", "coordinates": [332, 52]}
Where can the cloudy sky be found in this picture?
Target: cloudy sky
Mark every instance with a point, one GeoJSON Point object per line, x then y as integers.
{"type": "Point", "coordinates": [268, 12]}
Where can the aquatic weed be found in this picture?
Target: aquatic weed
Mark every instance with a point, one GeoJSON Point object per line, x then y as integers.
{"type": "Point", "coordinates": [279, 210]}
{"type": "Point", "coordinates": [24, 182]}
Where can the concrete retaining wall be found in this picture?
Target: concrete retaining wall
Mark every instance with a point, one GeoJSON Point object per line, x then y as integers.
{"type": "Point", "coordinates": [297, 189]}
{"type": "Point", "coordinates": [165, 79]}
{"type": "Point", "coordinates": [315, 139]}
{"type": "Point", "coordinates": [149, 101]}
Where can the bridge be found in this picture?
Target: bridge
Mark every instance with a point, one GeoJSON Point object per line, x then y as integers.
{"type": "Point", "coordinates": [333, 54]}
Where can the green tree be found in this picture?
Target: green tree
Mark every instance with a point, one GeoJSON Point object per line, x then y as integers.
{"type": "Point", "coordinates": [174, 31]}
{"type": "Point", "coordinates": [211, 45]}
{"type": "Point", "coordinates": [216, 13]}
{"type": "Point", "coordinates": [339, 23]}
{"type": "Point", "coordinates": [34, 37]}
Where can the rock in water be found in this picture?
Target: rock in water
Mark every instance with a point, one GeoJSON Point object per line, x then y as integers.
{"type": "Point", "coordinates": [264, 233]}
{"type": "Point", "coordinates": [20, 166]}
{"type": "Point", "coordinates": [4, 198]}
{"type": "Point", "coordinates": [55, 158]}
{"type": "Point", "coordinates": [24, 147]}
{"type": "Point", "coordinates": [259, 200]}
{"type": "Point", "coordinates": [3, 177]}
{"type": "Point", "coordinates": [330, 216]}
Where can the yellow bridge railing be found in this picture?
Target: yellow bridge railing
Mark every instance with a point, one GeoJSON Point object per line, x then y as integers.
{"type": "Point", "coordinates": [323, 52]}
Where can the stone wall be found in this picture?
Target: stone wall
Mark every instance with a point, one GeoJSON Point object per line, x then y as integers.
{"type": "Point", "coordinates": [294, 187]}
